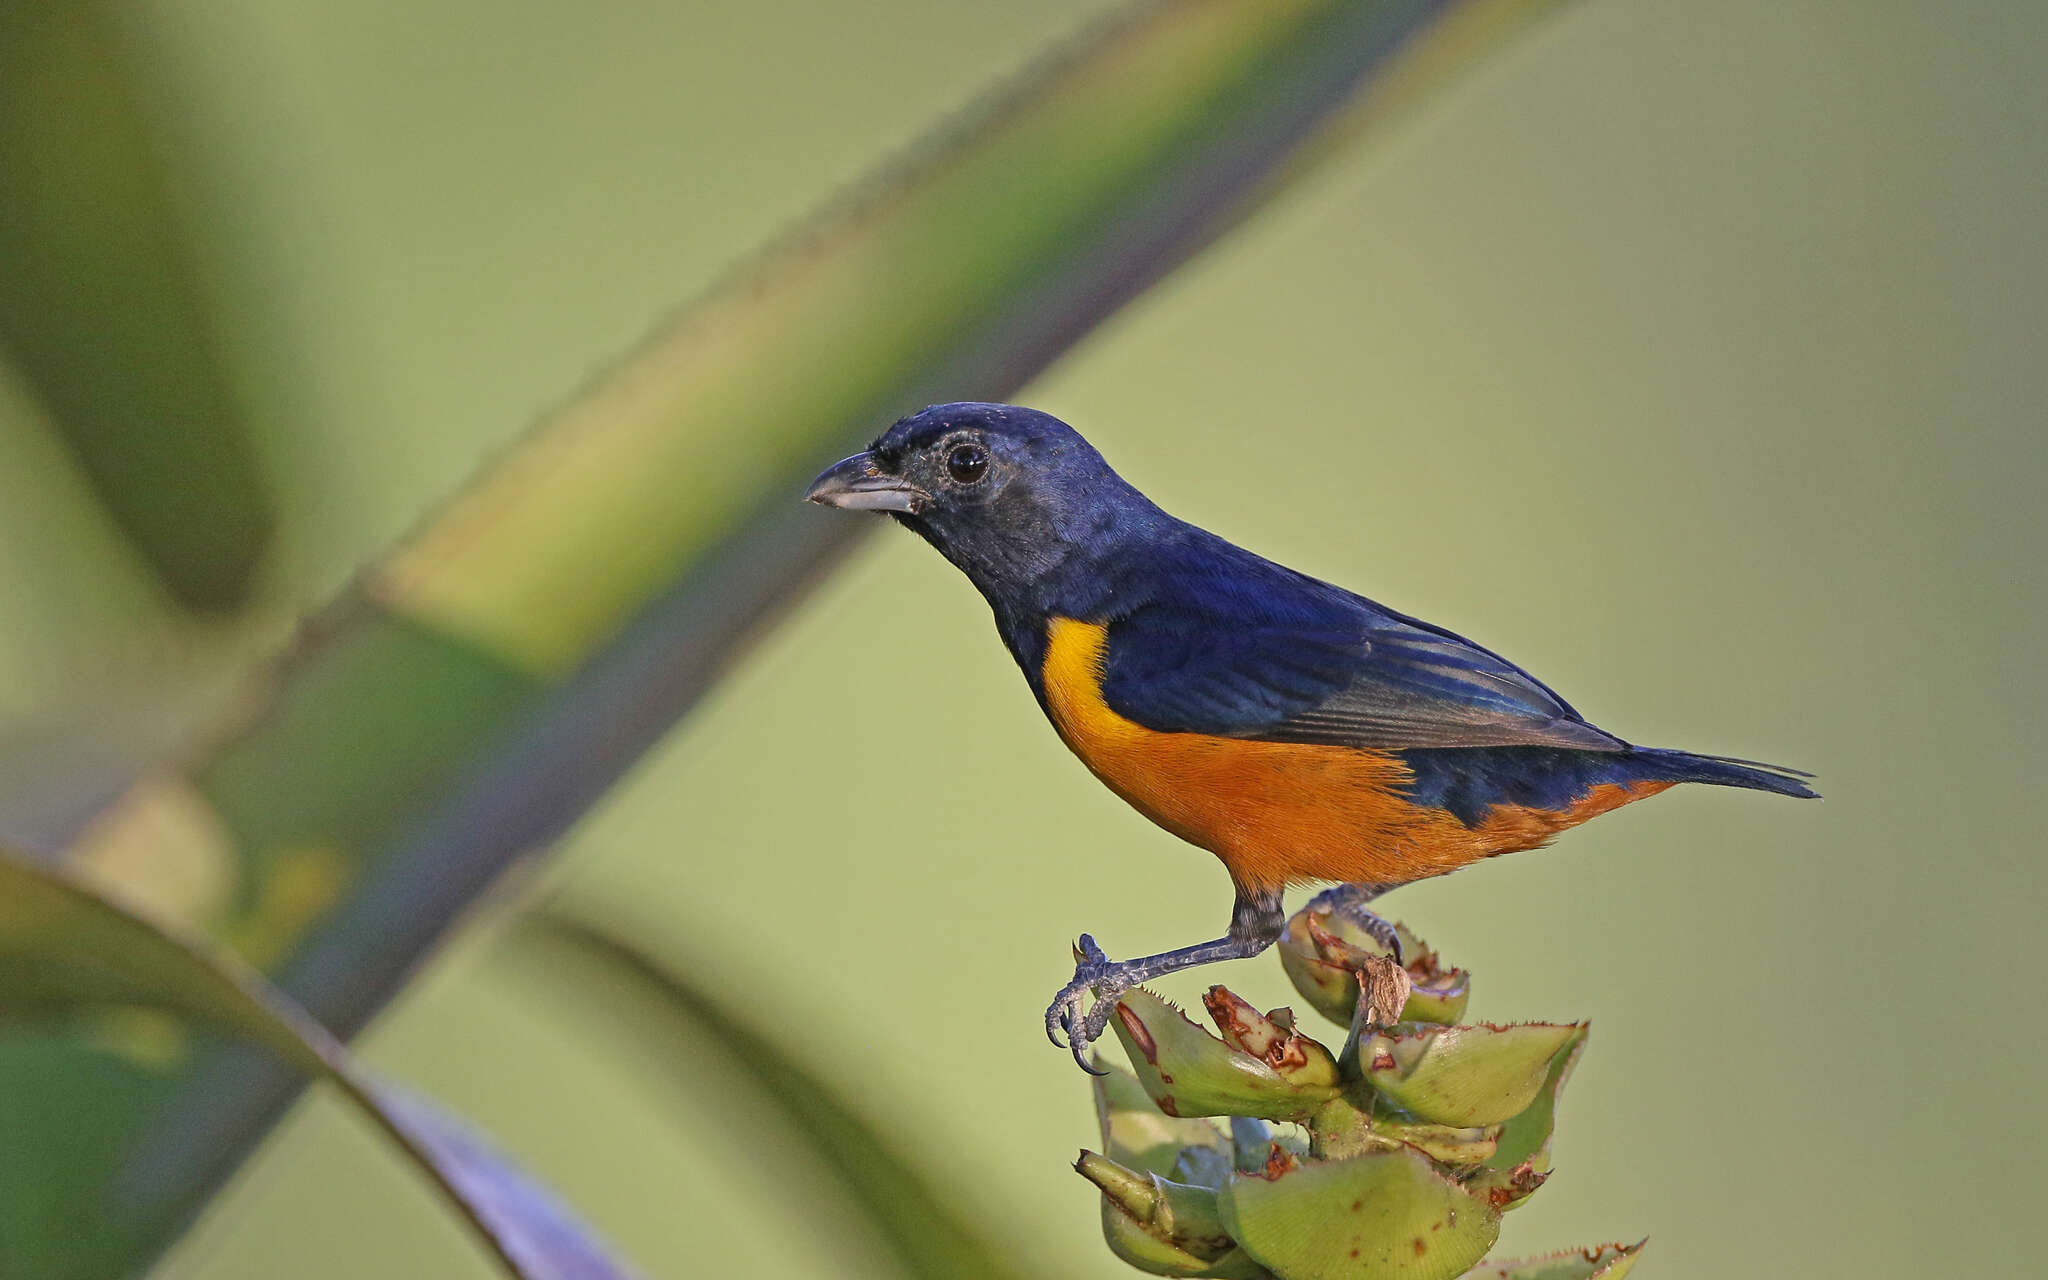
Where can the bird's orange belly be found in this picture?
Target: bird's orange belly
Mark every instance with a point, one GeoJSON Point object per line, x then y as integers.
{"type": "Point", "coordinates": [1282, 813]}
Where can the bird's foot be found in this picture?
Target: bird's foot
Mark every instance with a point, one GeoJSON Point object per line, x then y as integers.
{"type": "Point", "coordinates": [1093, 972]}
{"type": "Point", "coordinates": [1350, 902]}
{"type": "Point", "coordinates": [1382, 932]}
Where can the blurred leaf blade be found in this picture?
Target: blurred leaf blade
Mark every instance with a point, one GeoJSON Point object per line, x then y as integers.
{"type": "Point", "coordinates": [491, 679]}
{"type": "Point", "coordinates": [926, 1232]}
{"type": "Point", "coordinates": [65, 948]}
{"type": "Point", "coordinates": [526, 1222]}
{"type": "Point", "coordinates": [102, 310]}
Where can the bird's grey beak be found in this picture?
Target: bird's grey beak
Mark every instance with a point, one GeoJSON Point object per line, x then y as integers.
{"type": "Point", "coordinates": [858, 485]}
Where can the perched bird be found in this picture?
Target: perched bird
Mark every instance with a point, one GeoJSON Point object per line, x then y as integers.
{"type": "Point", "coordinates": [1299, 732]}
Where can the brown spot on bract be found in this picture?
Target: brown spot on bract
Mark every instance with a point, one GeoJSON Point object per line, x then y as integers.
{"type": "Point", "coordinates": [1169, 1106]}
{"type": "Point", "coordinates": [1290, 1054]}
{"type": "Point", "coordinates": [1333, 950]}
{"type": "Point", "coordinates": [1139, 1036]}
{"type": "Point", "coordinates": [1521, 1184]}
{"type": "Point", "coordinates": [1278, 1164]}
{"type": "Point", "coordinates": [1223, 1006]}
{"type": "Point", "coordinates": [1354, 1253]}
{"type": "Point", "coordinates": [1356, 1205]}
{"type": "Point", "coordinates": [1420, 1247]}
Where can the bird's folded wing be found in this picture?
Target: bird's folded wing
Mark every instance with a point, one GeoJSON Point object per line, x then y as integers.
{"type": "Point", "coordinates": [1380, 683]}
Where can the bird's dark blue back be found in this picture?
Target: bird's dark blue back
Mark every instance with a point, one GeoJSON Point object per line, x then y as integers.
{"type": "Point", "coordinates": [1205, 637]}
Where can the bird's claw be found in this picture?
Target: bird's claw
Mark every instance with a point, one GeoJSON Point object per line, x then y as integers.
{"type": "Point", "coordinates": [1352, 902]}
{"type": "Point", "coordinates": [1383, 933]}
{"type": "Point", "coordinates": [1093, 972]}
{"type": "Point", "coordinates": [1345, 902]}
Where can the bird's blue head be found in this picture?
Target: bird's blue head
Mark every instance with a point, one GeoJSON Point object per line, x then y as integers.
{"type": "Point", "coordinates": [1009, 495]}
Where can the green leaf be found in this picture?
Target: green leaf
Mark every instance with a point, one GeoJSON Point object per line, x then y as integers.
{"type": "Point", "coordinates": [931, 1238]}
{"type": "Point", "coordinates": [1465, 1076]}
{"type": "Point", "coordinates": [1386, 1215]}
{"type": "Point", "coordinates": [1605, 1262]}
{"type": "Point", "coordinates": [63, 948]}
{"type": "Point", "coordinates": [102, 312]}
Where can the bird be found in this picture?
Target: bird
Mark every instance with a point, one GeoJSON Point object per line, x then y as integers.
{"type": "Point", "coordinates": [1301, 733]}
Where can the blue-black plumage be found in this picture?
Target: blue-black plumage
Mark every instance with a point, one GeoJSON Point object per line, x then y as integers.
{"type": "Point", "coordinates": [1299, 731]}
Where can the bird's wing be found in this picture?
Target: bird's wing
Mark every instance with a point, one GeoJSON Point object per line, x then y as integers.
{"type": "Point", "coordinates": [1361, 678]}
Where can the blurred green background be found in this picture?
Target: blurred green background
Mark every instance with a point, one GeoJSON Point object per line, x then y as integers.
{"type": "Point", "coordinates": [1690, 354]}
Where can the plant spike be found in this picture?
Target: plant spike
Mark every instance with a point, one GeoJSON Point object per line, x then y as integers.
{"type": "Point", "coordinates": [1420, 1135]}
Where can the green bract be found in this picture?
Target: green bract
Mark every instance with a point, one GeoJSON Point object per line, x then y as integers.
{"type": "Point", "coordinates": [1420, 1135]}
{"type": "Point", "coordinates": [1388, 1213]}
{"type": "Point", "coordinates": [1162, 1226]}
{"type": "Point", "coordinates": [1189, 1072]}
{"type": "Point", "coordinates": [1464, 1075]}
{"type": "Point", "coordinates": [1179, 1160]}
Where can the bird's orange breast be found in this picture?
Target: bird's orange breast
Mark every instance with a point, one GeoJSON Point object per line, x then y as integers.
{"type": "Point", "coordinates": [1280, 813]}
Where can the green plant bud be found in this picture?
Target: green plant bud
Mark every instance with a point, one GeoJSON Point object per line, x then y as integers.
{"type": "Point", "coordinates": [1270, 1037]}
{"type": "Point", "coordinates": [1189, 1072]}
{"type": "Point", "coordinates": [1164, 1227]}
{"type": "Point", "coordinates": [1464, 1076]}
{"type": "Point", "coordinates": [1606, 1262]}
{"type": "Point", "coordinates": [1385, 1215]}
{"type": "Point", "coordinates": [1322, 954]}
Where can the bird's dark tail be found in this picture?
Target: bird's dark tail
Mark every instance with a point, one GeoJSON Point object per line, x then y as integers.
{"type": "Point", "coordinates": [1724, 771]}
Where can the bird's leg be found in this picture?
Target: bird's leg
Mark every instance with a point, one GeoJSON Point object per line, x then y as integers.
{"type": "Point", "coordinates": [1350, 901]}
{"type": "Point", "coordinates": [1254, 925]}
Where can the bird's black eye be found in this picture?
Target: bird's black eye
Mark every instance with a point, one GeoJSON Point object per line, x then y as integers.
{"type": "Point", "coordinates": [967, 463]}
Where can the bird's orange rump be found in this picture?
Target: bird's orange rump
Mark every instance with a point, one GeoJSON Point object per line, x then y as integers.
{"type": "Point", "coordinates": [1281, 813]}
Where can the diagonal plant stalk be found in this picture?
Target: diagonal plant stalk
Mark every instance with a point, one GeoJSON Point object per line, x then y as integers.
{"type": "Point", "coordinates": [475, 692]}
